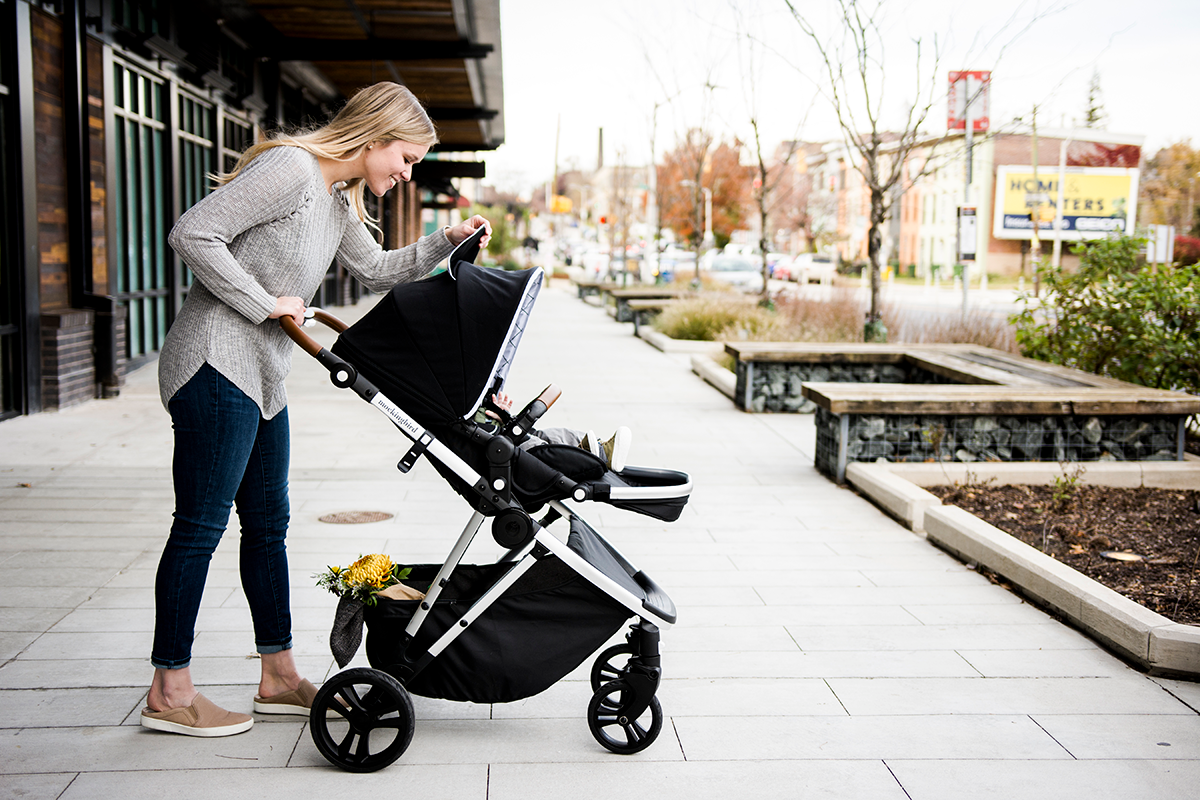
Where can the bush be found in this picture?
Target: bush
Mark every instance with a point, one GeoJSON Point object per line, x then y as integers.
{"type": "Point", "coordinates": [1187, 250]}
{"type": "Point", "coordinates": [1114, 318]}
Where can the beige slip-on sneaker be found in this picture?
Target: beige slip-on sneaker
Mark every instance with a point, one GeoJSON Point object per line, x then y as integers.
{"type": "Point", "coordinates": [201, 718]}
{"type": "Point", "coordinates": [298, 701]}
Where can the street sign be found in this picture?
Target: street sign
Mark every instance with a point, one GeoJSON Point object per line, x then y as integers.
{"type": "Point", "coordinates": [968, 234]}
{"type": "Point", "coordinates": [974, 86]}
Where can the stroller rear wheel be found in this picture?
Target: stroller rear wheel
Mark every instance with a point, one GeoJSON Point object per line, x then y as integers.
{"type": "Point", "coordinates": [362, 720]}
{"type": "Point", "coordinates": [614, 721]}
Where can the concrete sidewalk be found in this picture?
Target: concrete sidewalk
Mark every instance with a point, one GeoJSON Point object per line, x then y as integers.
{"type": "Point", "coordinates": [823, 650]}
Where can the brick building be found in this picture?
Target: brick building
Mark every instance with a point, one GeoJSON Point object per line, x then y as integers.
{"type": "Point", "coordinates": [927, 210]}
{"type": "Point", "coordinates": [114, 112]}
{"type": "Point", "coordinates": [921, 232]}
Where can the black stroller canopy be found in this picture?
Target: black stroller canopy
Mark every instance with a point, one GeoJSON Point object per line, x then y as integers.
{"type": "Point", "coordinates": [439, 346]}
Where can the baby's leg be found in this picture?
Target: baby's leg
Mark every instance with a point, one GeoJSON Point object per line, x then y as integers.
{"type": "Point", "coordinates": [559, 436]}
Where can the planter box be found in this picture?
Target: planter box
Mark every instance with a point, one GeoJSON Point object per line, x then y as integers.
{"type": "Point", "coordinates": [1149, 640]}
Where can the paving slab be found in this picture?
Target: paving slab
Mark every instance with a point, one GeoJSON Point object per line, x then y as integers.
{"type": "Point", "coordinates": [1000, 779]}
{"type": "Point", "coordinates": [692, 779]}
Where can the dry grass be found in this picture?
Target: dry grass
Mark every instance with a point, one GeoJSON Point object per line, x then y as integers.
{"type": "Point", "coordinates": [980, 327]}
{"type": "Point", "coordinates": [725, 316]}
{"type": "Point", "coordinates": [718, 316]}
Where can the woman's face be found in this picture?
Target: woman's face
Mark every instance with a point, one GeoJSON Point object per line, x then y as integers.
{"type": "Point", "coordinates": [388, 164]}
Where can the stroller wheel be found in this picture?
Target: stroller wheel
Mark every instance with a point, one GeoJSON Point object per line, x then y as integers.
{"type": "Point", "coordinates": [362, 720]}
{"type": "Point", "coordinates": [610, 665]}
{"type": "Point", "coordinates": [614, 728]}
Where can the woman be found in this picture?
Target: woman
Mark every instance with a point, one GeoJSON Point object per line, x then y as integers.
{"type": "Point", "coordinates": [259, 246]}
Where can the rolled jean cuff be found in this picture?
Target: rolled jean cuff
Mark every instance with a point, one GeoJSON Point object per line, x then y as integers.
{"type": "Point", "coordinates": [268, 649]}
{"type": "Point", "coordinates": [154, 662]}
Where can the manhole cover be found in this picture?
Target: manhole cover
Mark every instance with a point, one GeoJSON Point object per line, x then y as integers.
{"type": "Point", "coordinates": [355, 517]}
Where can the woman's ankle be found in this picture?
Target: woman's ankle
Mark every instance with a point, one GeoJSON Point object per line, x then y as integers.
{"type": "Point", "coordinates": [279, 674]}
{"type": "Point", "coordinates": [171, 688]}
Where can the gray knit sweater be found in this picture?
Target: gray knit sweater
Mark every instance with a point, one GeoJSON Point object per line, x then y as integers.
{"type": "Point", "coordinates": [271, 232]}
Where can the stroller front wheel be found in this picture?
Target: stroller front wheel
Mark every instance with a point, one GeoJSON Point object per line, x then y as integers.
{"type": "Point", "coordinates": [362, 720]}
{"type": "Point", "coordinates": [611, 665]}
{"type": "Point", "coordinates": [615, 727]}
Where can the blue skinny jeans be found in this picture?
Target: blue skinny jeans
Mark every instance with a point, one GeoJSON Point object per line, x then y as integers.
{"type": "Point", "coordinates": [225, 452]}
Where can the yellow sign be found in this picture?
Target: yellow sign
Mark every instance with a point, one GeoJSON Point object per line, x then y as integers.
{"type": "Point", "coordinates": [1096, 201]}
{"type": "Point", "coordinates": [560, 205]}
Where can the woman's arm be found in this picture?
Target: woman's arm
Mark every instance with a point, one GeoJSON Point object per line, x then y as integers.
{"type": "Point", "coordinates": [269, 188]}
{"type": "Point", "coordinates": [382, 269]}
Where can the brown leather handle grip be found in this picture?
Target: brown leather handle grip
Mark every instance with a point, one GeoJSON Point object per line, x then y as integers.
{"type": "Point", "coordinates": [306, 342]}
{"type": "Point", "coordinates": [549, 395]}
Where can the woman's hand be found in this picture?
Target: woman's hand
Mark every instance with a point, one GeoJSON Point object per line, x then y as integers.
{"type": "Point", "coordinates": [459, 233]}
{"type": "Point", "coordinates": [289, 307]}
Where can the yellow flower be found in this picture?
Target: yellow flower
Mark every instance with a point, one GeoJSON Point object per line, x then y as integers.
{"type": "Point", "coordinates": [373, 570]}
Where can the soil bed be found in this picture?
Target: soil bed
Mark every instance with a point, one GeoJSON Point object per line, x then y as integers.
{"type": "Point", "coordinates": [1158, 529]}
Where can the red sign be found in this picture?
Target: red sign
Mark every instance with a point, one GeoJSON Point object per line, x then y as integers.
{"type": "Point", "coordinates": [975, 88]}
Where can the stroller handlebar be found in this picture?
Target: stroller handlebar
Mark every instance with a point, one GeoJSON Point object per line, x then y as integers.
{"type": "Point", "coordinates": [306, 342]}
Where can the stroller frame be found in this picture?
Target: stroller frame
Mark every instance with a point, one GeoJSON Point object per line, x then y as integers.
{"type": "Point", "coordinates": [624, 715]}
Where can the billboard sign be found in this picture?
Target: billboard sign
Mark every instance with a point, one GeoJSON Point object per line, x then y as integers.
{"type": "Point", "coordinates": [1097, 201]}
{"type": "Point", "coordinates": [974, 86]}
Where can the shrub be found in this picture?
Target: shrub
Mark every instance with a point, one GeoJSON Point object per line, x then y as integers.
{"type": "Point", "coordinates": [1113, 318]}
{"type": "Point", "coordinates": [1187, 250]}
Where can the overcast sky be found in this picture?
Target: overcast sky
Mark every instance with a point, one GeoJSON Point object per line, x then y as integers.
{"type": "Point", "coordinates": [572, 67]}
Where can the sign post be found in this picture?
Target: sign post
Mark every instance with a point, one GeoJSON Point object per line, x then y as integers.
{"type": "Point", "coordinates": [968, 110]}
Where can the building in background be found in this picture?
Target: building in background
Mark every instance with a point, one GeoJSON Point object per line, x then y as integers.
{"type": "Point", "coordinates": [114, 112]}
{"type": "Point", "coordinates": [1099, 194]}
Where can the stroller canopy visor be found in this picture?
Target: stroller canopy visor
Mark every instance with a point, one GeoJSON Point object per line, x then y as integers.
{"type": "Point", "coordinates": [439, 346]}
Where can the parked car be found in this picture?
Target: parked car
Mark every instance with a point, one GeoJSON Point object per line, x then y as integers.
{"type": "Point", "coordinates": [809, 267]}
{"type": "Point", "coordinates": [783, 269]}
{"type": "Point", "coordinates": [741, 272]}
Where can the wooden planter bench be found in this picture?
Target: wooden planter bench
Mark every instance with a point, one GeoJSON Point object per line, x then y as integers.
{"type": "Point", "coordinates": [643, 311]}
{"type": "Point", "coordinates": [587, 288]}
{"type": "Point", "coordinates": [622, 298]}
{"type": "Point", "coordinates": [912, 403]}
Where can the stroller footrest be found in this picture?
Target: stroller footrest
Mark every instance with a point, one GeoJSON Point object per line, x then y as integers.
{"type": "Point", "coordinates": [657, 601]}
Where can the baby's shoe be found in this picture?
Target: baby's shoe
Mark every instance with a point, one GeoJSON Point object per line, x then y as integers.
{"type": "Point", "coordinates": [613, 451]}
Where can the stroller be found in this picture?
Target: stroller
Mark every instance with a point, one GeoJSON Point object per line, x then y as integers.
{"type": "Point", "coordinates": [427, 356]}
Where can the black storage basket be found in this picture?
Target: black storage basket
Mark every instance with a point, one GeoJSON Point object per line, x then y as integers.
{"type": "Point", "coordinates": [544, 626]}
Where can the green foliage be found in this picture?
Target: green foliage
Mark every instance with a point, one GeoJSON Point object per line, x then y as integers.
{"type": "Point", "coordinates": [1065, 486]}
{"type": "Point", "coordinates": [1116, 318]}
{"type": "Point", "coordinates": [504, 233]}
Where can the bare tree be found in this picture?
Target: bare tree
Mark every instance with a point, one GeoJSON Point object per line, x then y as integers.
{"type": "Point", "coordinates": [856, 94]}
{"type": "Point", "coordinates": [765, 182]}
{"type": "Point", "coordinates": [767, 175]}
{"type": "Point", "coordinates": [854, 67]}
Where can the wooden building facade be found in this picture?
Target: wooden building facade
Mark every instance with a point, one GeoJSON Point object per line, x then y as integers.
{"type": "Point", "coordinates": [113, 113]}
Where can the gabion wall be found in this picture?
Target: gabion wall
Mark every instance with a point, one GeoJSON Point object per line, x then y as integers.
{"type": "Point", "coordinates": [775, 386]}
{"type": "Point", "coordinates": [996, 438]}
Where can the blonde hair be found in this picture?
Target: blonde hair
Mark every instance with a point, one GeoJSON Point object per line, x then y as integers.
{"type": "Point", "coordinates": [383, 112]}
